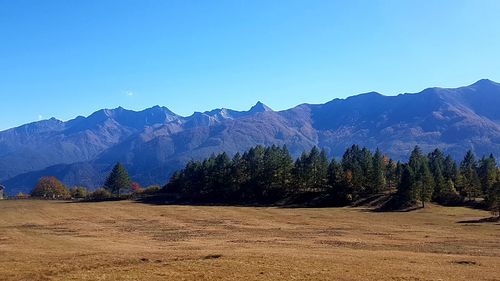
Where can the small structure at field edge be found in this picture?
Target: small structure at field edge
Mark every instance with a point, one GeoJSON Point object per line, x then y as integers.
{"type": "Point", "coordinates": [2, 190]}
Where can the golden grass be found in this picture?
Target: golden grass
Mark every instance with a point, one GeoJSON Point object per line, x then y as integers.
{"type": "Point", "coordinates": [43, 240]}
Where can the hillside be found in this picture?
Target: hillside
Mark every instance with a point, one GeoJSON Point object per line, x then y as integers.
{"type": "Point", "coordinates": [154, 142]}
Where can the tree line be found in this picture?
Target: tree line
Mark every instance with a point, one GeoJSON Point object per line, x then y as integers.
{"type": "Point", "coordinates": [267, 175]}
{"type": "Point", "coordinates": [118, 185]}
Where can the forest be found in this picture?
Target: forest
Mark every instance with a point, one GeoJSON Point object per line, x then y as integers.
{"type": "Point", "coordinates": [270, 175]}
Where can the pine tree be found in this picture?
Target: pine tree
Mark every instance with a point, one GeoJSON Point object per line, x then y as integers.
{"type": "Point", "coordinates": [470, 185]}
{"type": "Point", "coordinates": [356, 168]}
{"type": "Point", "coordinates": [221, 180]}
{"type": "Point", "coordinates": [378, 180]}
{"type": "Point", "coordinates": [425, 183]}
{"type": "Point", "coordinates": [337, 183]}
{"type": "Point", "coordinates": [441, 185]}
{"type": "Point", "coordinates": [392, 174]}
{"type": "Point", "coordinates": [494, 202]}
{"type": "Point", "coordinates": [276, 172]}
{"type": "Point", "coordinates": [450, 170]}
{"type": "Point", "coordinates": [254, 160]}
{"type": "Point", "coordinates": [284, 175]}
{"type": "Point", "coordinates": [301, 173]}
{"type": "Point", "coordinates": [319, 169]}
{"type": "Point", "coordinates": [422, 184]}
{"type": "Point", "coordinates": [416, 158]}
{"type": "Point", "coordinates": [487, 173]}
{"type": "Point", "coordinates": [405, 195]}
{"type": "Point", "coordinates": [366, 161]}
{"type": "Point", "coordinates": [436, 165]}
{"type": "Point", "coordinates": [117, 180]}
{"type": "Point", "coordinates": [436, 160]}
{"type": "Point", "coordinates": [238, 177]}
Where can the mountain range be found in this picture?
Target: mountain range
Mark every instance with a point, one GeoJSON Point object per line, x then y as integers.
{"type": "Point", "coordinates": [155, 142]}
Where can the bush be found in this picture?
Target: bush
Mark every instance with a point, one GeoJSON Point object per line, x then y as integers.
{"type": "Point", "coordinates": [135, 187]}
{"type": "Point", "coordinates": [50, 188]}
{"type": "Point", "coordinates": [100, 194]}
{"type": "Point", "coordinates": [21, 195]}
{"type": "Point", "coordinates": [78, 192]}
{"type": "Point", "coordinates": [152, 189]}
{"type": "Point", "coordinates": [450, 199]}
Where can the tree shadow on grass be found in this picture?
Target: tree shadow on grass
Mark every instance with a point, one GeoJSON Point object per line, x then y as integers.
{"type": "Point", "coordinates": [483, 220]}
{"type": "Point", "coordinates": [94, 200]}
{"type": "Point", "coordinates": [287, 203]}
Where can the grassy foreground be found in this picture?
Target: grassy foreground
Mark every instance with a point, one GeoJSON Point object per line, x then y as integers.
{"type": "Point", "coordinates": [43, 240]}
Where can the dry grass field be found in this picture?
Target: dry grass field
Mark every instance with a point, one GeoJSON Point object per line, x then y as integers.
{"type": "Point", "coordinates": [41, 240]}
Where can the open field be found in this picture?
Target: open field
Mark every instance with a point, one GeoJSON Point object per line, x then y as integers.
{"type": "Point", "coordinates": [42, 240]}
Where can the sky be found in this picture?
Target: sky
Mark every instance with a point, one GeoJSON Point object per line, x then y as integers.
{"type": "Point", "coordinates": [67, 58]}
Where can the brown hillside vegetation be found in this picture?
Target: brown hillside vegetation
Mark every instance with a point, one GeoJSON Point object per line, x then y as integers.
{"type": "Point", "coordinates": [45, 240]}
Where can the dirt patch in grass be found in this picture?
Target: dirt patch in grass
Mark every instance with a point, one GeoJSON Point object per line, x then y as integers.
{"type": "Point", "coordinates": [212, 257]}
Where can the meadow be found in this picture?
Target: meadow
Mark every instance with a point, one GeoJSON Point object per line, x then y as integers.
{"type": "Point", "coordinates": [56, 240]}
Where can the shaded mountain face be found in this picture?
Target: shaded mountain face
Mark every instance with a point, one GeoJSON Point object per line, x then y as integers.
{"type": "Point", "coordinates": [155, 142]}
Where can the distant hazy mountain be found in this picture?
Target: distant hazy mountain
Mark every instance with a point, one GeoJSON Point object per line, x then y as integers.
{"type": "Point", "coordinates": [154, 142]}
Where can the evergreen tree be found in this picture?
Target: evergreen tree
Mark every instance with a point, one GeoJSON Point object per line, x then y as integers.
{"type": "Point", "coordinates": [301, 173]}
{"type": "Point", "coordinates": [378, 175]}
{"type": "Point", "coordinates": [272, 178]}
{"type": "Point", "coordinates": [441, 185]}
{"type": "Point", "coordinates": [494, 202]}
{"type": "Point", "coordinates": [450, 170]}
{"type": "Point", "coordinates": [487, 174]}
{"type": "Point", "coordinates": [284, 174]}
{"type": "Point", "coordinates": [318, 162]}
{"type": "Point", "coordinates": [311, 171]}
{"type": "Point", "coordinates": [337, 183]}
{"type": "Point", "coordinates": [425, 183]}
{"type": "Point", "coordinates": [254, 160]}
{"type": "Point", "coordinates": [422, 184]}
{"type": "Point", "coordinates": [356, 169]}
{"type": "Point", "coordinates": [220, 177]}
{"type": "Point", "coordinates": [469, 184]}
{"type": "Point", "coordinates": [416, 158]}
{"type": "Point", "coordinates": [436, 164]}
{"type": "Point", "coordinates": [405, 195]}
{"type": "Point", "coordinates": [366, 161]}
{"type": "Point", "coordinates": [238, 176]}
{"type": "Point", "coordinates": [118, 180]}
{"type": "Point", "coordinates": [392, 174]}
{"type": "Point", "coordinates": [436, 161]}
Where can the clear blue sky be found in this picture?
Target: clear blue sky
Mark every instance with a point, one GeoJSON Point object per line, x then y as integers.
{"type": "Point", "coordinates": [67, 58]}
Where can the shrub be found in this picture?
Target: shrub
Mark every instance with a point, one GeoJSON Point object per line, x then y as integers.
{"type": "Point", "coordinates": [50, 188]}
{"type": "Point", "coordinates": [78, 192]}
{"type": "Point", "coordinates": [152, 189]}
{"type": "Point", "coordinates": [136, 188]}
{"type": "Point", "coordinates": [21, 195]}
{"type": "Point", "coordinates": [100, 194]}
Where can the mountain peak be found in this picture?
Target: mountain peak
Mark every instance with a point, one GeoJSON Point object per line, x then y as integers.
{"type": "Point", "coordinates": [485, 83]}
{"type": "Point", "coordinates": [158, 108]}
{"type": "Point", "coordinates": [259, 107]}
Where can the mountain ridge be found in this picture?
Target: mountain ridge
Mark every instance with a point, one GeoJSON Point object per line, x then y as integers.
{"type": "Point", "coordinates": [155, 141]}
